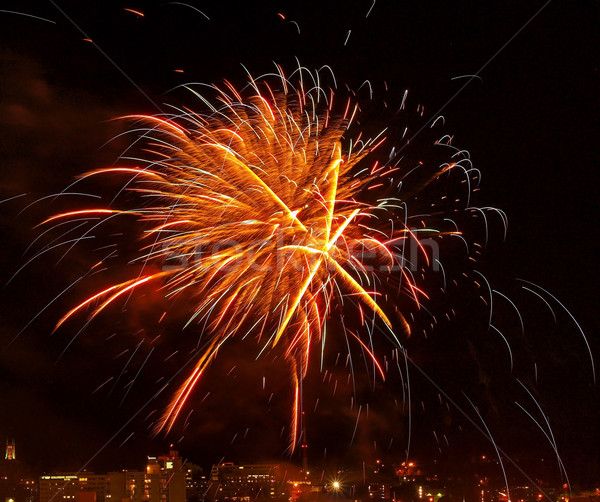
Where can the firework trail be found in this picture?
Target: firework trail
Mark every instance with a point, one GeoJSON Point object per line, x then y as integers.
{"type": "Point", "coordinates": [272, 220]}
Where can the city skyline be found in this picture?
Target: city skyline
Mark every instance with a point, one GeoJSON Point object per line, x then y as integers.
{"type": "Point", "coordinates": [169, 478]}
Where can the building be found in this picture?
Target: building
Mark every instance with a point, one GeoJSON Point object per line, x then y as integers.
{"type": "Point", "coordinates": [73, 487]}
{"type": "Point", "coordinates": [165, 478]}
{"type": "Point", "coordinates": [196, 483]}
{"type": "Point", "coordinates": [378, 491]}
{"type": "Point", "coordinates": [245, 482]}
{"type": "Point", "coordinates": [126, 486]}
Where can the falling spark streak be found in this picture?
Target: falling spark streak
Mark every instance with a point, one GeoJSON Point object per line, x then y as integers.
{"type": "Point", "coordinates": [102, 385]}
{"type": "Point", "coordinates": [295, 414]}
{"type": "Point", "coordinates": [356, 424]}
{"type": "Point", "coordinates": [126, 439]}
{"type": "Point", "coordinates": [190, 6]}
{"type": "Point", "coordinates": [371, 8]}
{"type": "Point", "coordinates": [258, 212]}
{"type": "Point", "coordinates": [371, 355]}
{"type": "Point", "coordinates": [136, 12]}
{"type": "Point", "coordinates": [3, 11]}
{"type": "Point", "coordinates": [489, 434]}
{"type": "Point", "coordinates": [347, 37]}
{"type": "Point", "coordinates": [111, 170]}
{"type": "Point", "coordinates": [549, 434]}
{"type": "Point", "coordinates": [585, 339]}
{"type": "Point", "coordinates": [136, 376]}
{"type": "Point", "coordinates": [515, 309]}
{"type": "Point", "coordinates": [82, 212]}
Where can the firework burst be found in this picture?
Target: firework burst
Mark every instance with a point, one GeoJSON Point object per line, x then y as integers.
{"type": "Point", "coordinates": [272, 219]}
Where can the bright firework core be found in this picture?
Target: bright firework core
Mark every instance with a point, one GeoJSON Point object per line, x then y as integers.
{"type": "Point", "coordinates": [272, 220]}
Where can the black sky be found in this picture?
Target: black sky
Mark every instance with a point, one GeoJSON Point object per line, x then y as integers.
{"type": "Point", "coordinates": [530, 122]}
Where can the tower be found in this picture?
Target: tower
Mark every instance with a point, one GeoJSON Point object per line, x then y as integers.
{"type": "Point", "coordinates": [304, 446]}
{"type": "Point", "coordinates": [10, 450]}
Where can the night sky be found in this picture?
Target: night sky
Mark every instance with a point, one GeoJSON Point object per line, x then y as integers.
{"type": "Point", "coordinates": [529, 121]}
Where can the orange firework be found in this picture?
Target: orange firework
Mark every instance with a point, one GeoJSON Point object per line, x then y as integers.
{"type": "Point", "coordinates": [266, 215]}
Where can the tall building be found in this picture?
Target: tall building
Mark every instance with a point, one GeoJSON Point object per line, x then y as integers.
{"type": "Point", "coordinates": [10, 450]}
{"type": "Point", "coordinates": [165, 478]}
